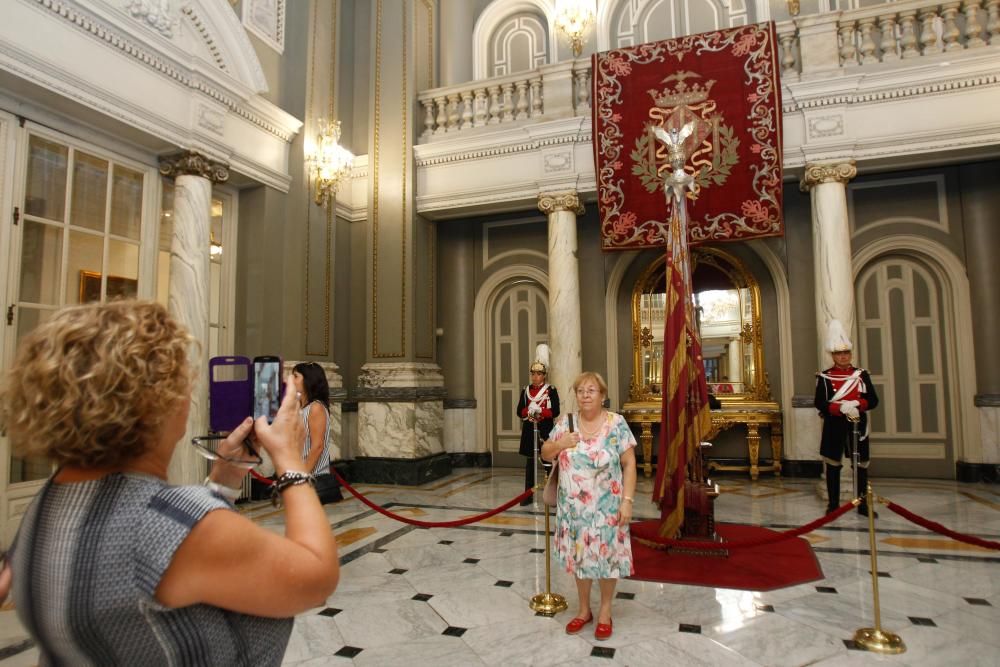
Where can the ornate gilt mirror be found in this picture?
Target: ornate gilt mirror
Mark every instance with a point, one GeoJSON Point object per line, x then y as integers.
{"type": "Point", "coordinates": [727, 304]}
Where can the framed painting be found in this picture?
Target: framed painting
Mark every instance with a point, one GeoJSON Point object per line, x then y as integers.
{"type": "Point", "coordinates": [119, 287]}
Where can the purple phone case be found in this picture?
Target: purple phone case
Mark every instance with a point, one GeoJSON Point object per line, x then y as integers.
{"type": "Point", "coordinates": [230, 401]}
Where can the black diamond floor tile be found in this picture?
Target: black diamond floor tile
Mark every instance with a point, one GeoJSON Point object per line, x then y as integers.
{"type": "Point", "coordinates": [348, 651]}
{"type": "Point", "coordinates": [885, 575]}
{"type": "Point", "coordinates": [421, 597]}
{"type": "Point", "coordinates": [979, 601]}
{"type": "Point", "coordinates": [453, 631]}
{"type": "Point", "coordinates": [826, 589]}
{"type": "Point", "coordinates": [852, 646]}
{"type": "Point", "coordinates": [625, 596]}
{"type": "Point", "coordinates": [602, 652]}
{"type": "Point", "coordinates": [330, 611]}
{"type": "Point", "coordinates": [536, 551]}
{"type": "Point", "coordinates": [927, 559]}
{"type": "Point", "coordinates": [446, 542]}
{"type": "Point", "coordinates": [765, 607]}
{"type": "Point", "coordinates": [506, 533]}
{"type": "Point", "coordinates": [397, 570]}
{"type": "Point", "coordinates": [502, 583]}
{"type": "Point", "coordinates": [472, 561]}
{"type": "Point", "coordinates": [688, 627]}
{"type": "Point", "coordinates": [918, 620]}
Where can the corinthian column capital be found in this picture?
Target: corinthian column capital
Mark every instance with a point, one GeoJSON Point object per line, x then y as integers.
{"type": "Point", "coordinates": [560, 201]}
{"type": "Point", "coordinates": [193, 163]}
{"type": "Point", "coordinates": [831, 172]}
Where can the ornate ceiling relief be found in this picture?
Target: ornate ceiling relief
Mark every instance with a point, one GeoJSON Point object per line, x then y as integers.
{"type": "Point", "coordinates": [266, 20]}
{"type": "Point", "coordinates": [154, 13]}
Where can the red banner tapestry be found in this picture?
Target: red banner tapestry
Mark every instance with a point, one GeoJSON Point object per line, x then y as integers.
{"type": "Point", "coordinates": [727, 83]}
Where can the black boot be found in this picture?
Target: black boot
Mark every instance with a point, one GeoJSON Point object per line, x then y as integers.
{"type": "Point", "coordinates": [862, 490]}
{"type": "Point", "coordinates": [832, 487]}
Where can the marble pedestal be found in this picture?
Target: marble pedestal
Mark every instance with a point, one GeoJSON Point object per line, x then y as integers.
{"type": "Point", "coordinates": [400, 424]}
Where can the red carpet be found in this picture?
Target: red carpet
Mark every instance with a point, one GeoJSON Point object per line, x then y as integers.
{"type": "Point", "coordinates": [762, 568]}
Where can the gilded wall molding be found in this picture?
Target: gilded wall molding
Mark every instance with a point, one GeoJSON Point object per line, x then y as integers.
{"type": "Point", "coordinates": [193, 163]}
{"type": "Point", "coordinates": [835, 172]}
{"type": "Point", "coordinates": [549, 203]}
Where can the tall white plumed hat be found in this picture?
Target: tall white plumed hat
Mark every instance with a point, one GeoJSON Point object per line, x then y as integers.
{"type": "Point", "coordinates": [837, 339]}
{"type": "Point", "coordinates": [541, 362]}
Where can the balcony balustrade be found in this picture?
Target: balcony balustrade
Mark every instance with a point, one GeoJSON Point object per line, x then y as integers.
{"type": "Point", "coordinates": [900, 33]}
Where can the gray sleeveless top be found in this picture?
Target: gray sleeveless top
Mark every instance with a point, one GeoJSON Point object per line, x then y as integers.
{"type": "Point", "coordinates": [87, 560]}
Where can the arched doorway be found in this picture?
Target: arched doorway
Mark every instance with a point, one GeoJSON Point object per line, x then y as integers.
{"type": "Point", "coordinates": [903, 343]}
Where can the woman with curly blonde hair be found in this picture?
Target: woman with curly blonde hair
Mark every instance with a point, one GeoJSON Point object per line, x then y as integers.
{"type": "Point", "coordinates": [113, 565]}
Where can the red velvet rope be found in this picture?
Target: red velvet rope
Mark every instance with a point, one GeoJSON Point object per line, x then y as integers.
{"type": "Point", "coordinates": [938, 528]}
{"type": "Point", "coordinates": [432, 524]}
{"type": "Point", "coordinates": [746, 544]}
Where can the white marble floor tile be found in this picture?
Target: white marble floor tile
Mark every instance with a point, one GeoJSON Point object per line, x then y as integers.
{"type": "Point", "coordinates": [313, 636]}
{"type": "Point", "coordinates": [533, 641]}
{"type": "Point", "coordinates": [480, 606]}
{"type": "Point", "coordinates": [441, 651]}
{"type": "Point", "coordinates": [771, 639]}
{"type": "Point", "coordinates": [371, 625]}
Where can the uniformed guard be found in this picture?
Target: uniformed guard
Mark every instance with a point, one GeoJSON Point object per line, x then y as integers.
{"type": "Point", "coordinates": [844, 395]}
{"type": "Point", "coordinates": [539, 404]}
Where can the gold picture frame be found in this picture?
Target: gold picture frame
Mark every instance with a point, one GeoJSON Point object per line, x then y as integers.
{"type": "Point", "coordinates": [119, 287]}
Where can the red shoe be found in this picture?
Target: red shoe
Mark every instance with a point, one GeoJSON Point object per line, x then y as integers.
{"type": "Point", "coordinates": [577, 624]}
{"type": "Point", "coordinates": [603, 631]}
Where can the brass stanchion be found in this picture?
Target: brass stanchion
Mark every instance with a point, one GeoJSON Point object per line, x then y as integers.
{"type": "Point", "coordinates": [547, 603]}
{"type": "Point", "coordinates": [875, 639]}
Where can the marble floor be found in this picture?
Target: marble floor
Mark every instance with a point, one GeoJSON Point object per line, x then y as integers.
{"type": "Point", "coordinates": [459, 596]}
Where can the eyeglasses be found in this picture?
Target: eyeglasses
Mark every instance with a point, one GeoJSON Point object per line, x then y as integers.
{"type": "Point", "coordinates": [587, 392]}
{"type": "Point", "coordinates": [207, 446]}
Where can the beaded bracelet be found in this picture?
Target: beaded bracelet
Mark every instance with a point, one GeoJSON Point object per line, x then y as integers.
{"type": "Point", "coordinates": [286, 480]}
{"type": "Point", "coordinates": [226, 492]}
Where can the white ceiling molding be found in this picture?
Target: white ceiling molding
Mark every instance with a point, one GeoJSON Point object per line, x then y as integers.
{"type": "Point", "coordinates": [266, 20]}
{"type": "Point", "coordinates": [196, 86]}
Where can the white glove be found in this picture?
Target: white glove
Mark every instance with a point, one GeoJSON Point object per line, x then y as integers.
{"type": "Point", "coordinates": [534, 411]}
{"type": "Point", "coordinates": [849, 409]}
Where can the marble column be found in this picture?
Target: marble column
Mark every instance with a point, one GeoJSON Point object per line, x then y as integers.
{"type": "Point", "coordinates": [188, 292]}
{"type": "Point", "coordinates": [834, 279]}
{"type": "Point", "coordinates": [564, 293]}
{"type": "Point", "coordinates": [735, 361]}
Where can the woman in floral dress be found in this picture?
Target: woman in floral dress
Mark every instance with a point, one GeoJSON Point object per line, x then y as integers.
{"type": "Point", "coordinates": [596, 486]}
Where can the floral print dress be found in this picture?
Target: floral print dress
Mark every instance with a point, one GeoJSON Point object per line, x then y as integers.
{"type": "Point", "coordinates": [589, 541]}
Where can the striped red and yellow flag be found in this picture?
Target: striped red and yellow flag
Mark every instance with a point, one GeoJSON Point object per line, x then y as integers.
{"type": "Point", "coordinates": [685, 417]}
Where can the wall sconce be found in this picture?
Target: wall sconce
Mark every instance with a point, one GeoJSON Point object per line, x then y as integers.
{"type": "Point", "coordinates": [331, 162]}
{"type": "Point", "coordinates": [214, 247]}
{"type": "Point", "coordinates": [573, 17]}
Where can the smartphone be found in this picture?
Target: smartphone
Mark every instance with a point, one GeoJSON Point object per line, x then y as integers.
{"type": "Point", "coordinates": [266, 387]}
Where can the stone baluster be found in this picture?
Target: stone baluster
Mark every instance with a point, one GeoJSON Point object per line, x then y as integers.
{"type": "Point", "coordinates": [868, 47]}
{"type": "Point", "coordinates": [508, 102]}
{"type": "Point", "coordinates": [494, 105]}
{"type": "Point", "coordinates": [428, 118]}
{"type": "Point", "coordinates": [479, 105]}
{"type": "Point", "coordinates": [950, 35]}
{"type": "Point", "coordinates": [890, 50]}
{"type": "Point", "coordinates": [928, 38]}
{"type": "Point", "coordinates": [442, 117]}
{"type": "Point", "coordinates": [536, 96]}
{"type": "Point", "coordinates": [522, 100]}
{"type": "Point", "coordinates": [848, 49]}
{"type": "Point", "coordinates": [466, 109]}
{"type": "Point", "coordinates": [992, 26]}
{"type": "Point", "coordinates": [787, 53]}
{"type": "Point", "coordinates": [908, 39]}
{"type": "Point", "coordinates": [973, 28]}
{"type": "Point", "coordinates": [582, 92]}
{"type": "Point", "coordinates": [453, 115]}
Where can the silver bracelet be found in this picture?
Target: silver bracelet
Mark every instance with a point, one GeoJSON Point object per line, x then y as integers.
{"type": "Point", "coordinates": [226, 492]}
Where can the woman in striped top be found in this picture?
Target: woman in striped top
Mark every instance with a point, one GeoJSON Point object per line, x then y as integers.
{"type": "Point", "coordinates": [113, 565]}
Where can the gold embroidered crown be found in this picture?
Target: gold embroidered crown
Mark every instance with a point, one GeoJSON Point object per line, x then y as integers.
{"type": "Point", "coordinates": [681, 93]}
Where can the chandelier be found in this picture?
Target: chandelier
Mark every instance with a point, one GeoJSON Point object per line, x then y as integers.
{"type": "Point", "coordinates": [331, 162]}
{"type": "Point", "coordinates": [573, 17]}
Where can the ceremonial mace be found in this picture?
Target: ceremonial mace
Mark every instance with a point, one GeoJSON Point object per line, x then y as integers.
{"type": "Point", "coordinates": [547, 603]}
